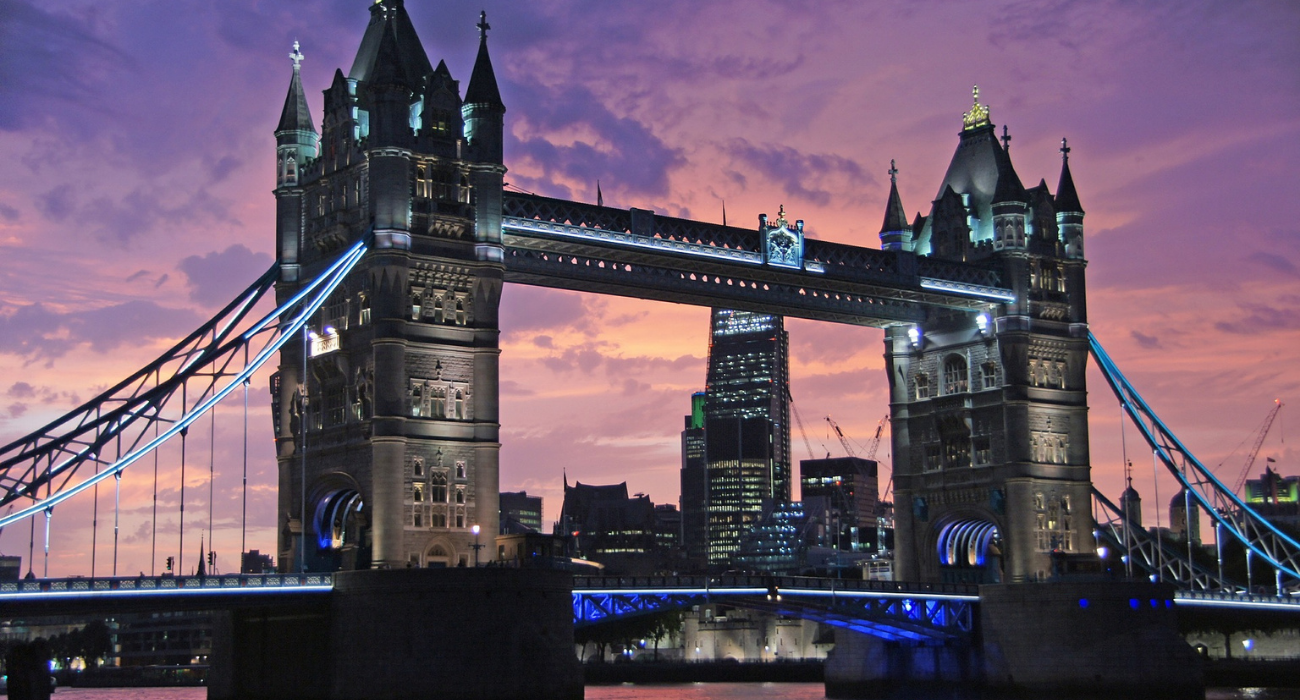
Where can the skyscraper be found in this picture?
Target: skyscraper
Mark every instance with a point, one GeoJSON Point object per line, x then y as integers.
{"type": "Point", "coordinates": [746, 426]}
{"type": "Point", "coordinates": [695, 485]}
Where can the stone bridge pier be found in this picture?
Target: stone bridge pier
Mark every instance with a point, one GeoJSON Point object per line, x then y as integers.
{"type": "Point", "coordinates": [1066, 639]}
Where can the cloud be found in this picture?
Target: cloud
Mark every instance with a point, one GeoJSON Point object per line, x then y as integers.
{"type": "Point", "coordinates": [1261, 317]}
{"type": "Point", "coordinates": [16, 410]}
{"type": "Point", "coordinates": [1274, 262]}
{"type": "Point", "coordinates": [216, 277]}
{"type": "Point", "coordinates": [535, 308]}
{"type": "Point", "coordinates": [22, 390]}
{"type": "Point", "coordinates": [808, 176]}
{"type": "Point", "coordinates": [1149, 342]}
{"type": "Point", "coordinates": [37, 332]}
{"type": "Point", "coordinates": [9, 213]}
{"type": "Point", "coordinates": [49, 63]}
{"type": "Point", "coordinates": [57, 204]}
{"type": "Point", "coordinates": [621, 152]}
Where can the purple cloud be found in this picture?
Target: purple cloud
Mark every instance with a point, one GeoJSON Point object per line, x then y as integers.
{"type": "Point", "coordinates": [1150, 342]}
{"type": "Point", "coordinates": [215, 278]}
{"type": "Point", "coordinates": [37, 332]}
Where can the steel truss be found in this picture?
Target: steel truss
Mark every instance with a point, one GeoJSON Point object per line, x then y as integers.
{"type": "Point", "coordinates": [128, 421]}
{"type": "Point", "coordinates": [1229, 513]}
{"type": "Point", "coordinates": [883, 609]}
{"type": "Point", "coordinates": [1158, 560]}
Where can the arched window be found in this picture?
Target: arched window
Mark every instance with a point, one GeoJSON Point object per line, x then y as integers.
{"type": "Point", "coordinates": [460, 495]}
{"type": "Point", "coordinates": [922, 386]}
{"type": "Point", "coordinates": [460, 405]}
{"type": "Point", "coordinates": [438, 487]}
{"type": "Point", "coordinates": [956, 377]}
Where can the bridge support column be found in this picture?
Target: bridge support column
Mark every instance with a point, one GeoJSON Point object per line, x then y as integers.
{"type": "Point", "coordinates": [455, 634]}
{"type": "Point", "coordinates": [1058, 639]}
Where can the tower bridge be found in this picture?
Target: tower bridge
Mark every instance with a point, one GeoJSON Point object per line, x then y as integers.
{"type": "Point", "coordinates": [394, 237]}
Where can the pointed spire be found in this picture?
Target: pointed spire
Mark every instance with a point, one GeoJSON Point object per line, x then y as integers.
{"type": "Point", "coordinates": [724, 212]}
{"type": "Point", "coordinates": [1067, 199]}
{"type": "Point", "coordinates": [895, 215]}
{"type": "Point", "coordinates": [1009, 188]}
{"type": "Point", "coordinates": [482, 88]}
{"type": "Point", "coordinates": [388, 68]}
{"type": "Point", "coordinates": [296, 116]}
{"type": "Point", "coordinates": [600, 197]}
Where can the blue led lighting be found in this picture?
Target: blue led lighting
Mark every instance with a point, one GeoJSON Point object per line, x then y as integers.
{"type": "Point", "coordinates": [1083, 602]}
{"type": "Point", "coordinates": [329, 279]}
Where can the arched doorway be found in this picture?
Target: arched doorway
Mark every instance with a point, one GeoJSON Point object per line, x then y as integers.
{"type": "Point", "coordinates": [339, 526]}
{"type": "Point", "coordinates": [970, 551]}
{"type": "Point", "coordinates": [439, 556]}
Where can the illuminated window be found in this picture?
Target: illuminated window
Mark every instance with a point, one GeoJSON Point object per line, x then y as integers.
{"type": "Point", "coordinates": [460, 496]}
{"type": "Point", "coordinates": [417, 493]}
{"type": "Point", "coordinates": [955, 375]}
{"type": "Point", "coordinates": [922, 386]}
{"type": "Point", "coordinates": [417, 466]}
{"type": "Point", "coordinates": [363, 317]}
{"type": "Point", "coordinates": [460, 469]}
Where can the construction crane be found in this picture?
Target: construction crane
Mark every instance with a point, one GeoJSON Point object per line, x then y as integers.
{"type": "Point", "coordinates": [1259, 442]}
{"type": "Point", "coordinates": [875, 441]}
{"type": "Point", "coordinates": [802, 432]}
{"type": "Point", "coordinates": [848, 449]}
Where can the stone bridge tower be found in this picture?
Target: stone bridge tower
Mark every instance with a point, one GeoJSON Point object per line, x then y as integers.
{"type": "Point", "coordinates": [398, 403]}
{"type": "Point", "coordinates": [989, 410]}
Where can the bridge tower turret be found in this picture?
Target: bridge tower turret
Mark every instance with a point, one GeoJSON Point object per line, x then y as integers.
{"type": "Point", "coordinates": [990, 432]}
{"type": "Point", "coordinates": [895, 232]}
{"type": "Point", "coordinates": [389, 444]}
{"type": "Point", "coordinates": [295, 144]}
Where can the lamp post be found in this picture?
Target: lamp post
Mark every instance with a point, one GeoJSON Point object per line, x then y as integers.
{"type": "Point", "coordinates": [476, 546]}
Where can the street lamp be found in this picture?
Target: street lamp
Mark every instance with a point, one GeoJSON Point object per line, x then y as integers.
{"type": "Point", "coordinates": [476, 529]}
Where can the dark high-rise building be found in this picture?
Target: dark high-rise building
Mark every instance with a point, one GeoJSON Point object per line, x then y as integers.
{"type": "Point", "coordinates": [849, 488]}
{"type": "Point", "coordinates": [746, 426]}
{"type": "Point", "coordinates": [610, 527]}
{"type": "Point", "coordinates": [520, 512]}
{"type": "Point", "coordinates": [695, 486]}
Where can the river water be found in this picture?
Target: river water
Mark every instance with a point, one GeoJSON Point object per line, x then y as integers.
{"type": "Point", "coordinates": [687, 691]}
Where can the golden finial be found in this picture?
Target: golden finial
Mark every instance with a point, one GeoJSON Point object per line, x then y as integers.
{"type": "Point", "coordinates": [978, 114]}
{"type": "Point", "coordinates": [780, 219]}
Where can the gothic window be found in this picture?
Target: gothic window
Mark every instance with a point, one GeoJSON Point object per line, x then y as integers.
{"type": "Point", "coordinates": [437, 309]}
{"type": "Point", "coordinates": [956, 453]}
{"type": "Point", "coordinates": [417, 492]}
{"type": "Point", "coordinates": [955, 375]}
{"type": "Point", "coordinates": [933, 458]}
{"type": "Point", "coordinates": [438, 487]}
{"type": "Point", "coordinates": [460, 495]}
{"type": "Point", "coordinates": [1039, 501]}
{"type": "Point", "coordinates": [336, 311]}
{"type": "Point", "coordinates": [418, 402]}
{"type": "Point", "coordinates": [459, 408]}
{"type": "Point", "coordinates": [464, 190]}
{"type": "Point", "coordinates": [419, 520]}
{"type": "Point", "coordinates": [983, 450]}
{"type": "Point", "coordinates": [438, 402]}
{"type": "Point", "coordinates": [417, 466]}
{"type": "Point", "coordinates": [416, 304]}
{"type": "Point", "coordinates": [438, 520]}
{"type": "Point", "coordinates": [460, 312]}
{"type": "Point", "coordinates": [335, 412]}
{"type": "Point", "coordinates": [460, 520]}
{"type": "Point", "coordinates": [922, 386]}
{"type": "Point", "coordinates": [363, 317]}
{"type": "Point", "coordinates": [460, 469]}
{"type": "Point", "coordinates": [989, 374]}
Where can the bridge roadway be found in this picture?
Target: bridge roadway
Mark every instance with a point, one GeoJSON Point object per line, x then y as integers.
{"type": "Point", "coordinates": [885, 609]}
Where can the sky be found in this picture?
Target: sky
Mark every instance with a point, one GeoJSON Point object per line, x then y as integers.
{"type": "Point", "coordinates": [138, 163]}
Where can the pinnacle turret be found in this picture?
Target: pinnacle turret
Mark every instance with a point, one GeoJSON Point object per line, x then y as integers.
{"type": "Point", "coordinates": [1067, 199]}
{"type": "Point", "coordinates": [295, 116]}
{"type": "Point", "coordinates": [482, 88]}
{"type": "Point", "coordinates": [895, 233]}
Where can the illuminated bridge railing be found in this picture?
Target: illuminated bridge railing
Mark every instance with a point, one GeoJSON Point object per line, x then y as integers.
{"type": "Point", "coordinates": [1236, 601]}
{"type": "Point", "coordinates": [80, 587]}
{"type": "Point", "coordinates": [890, 610]}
